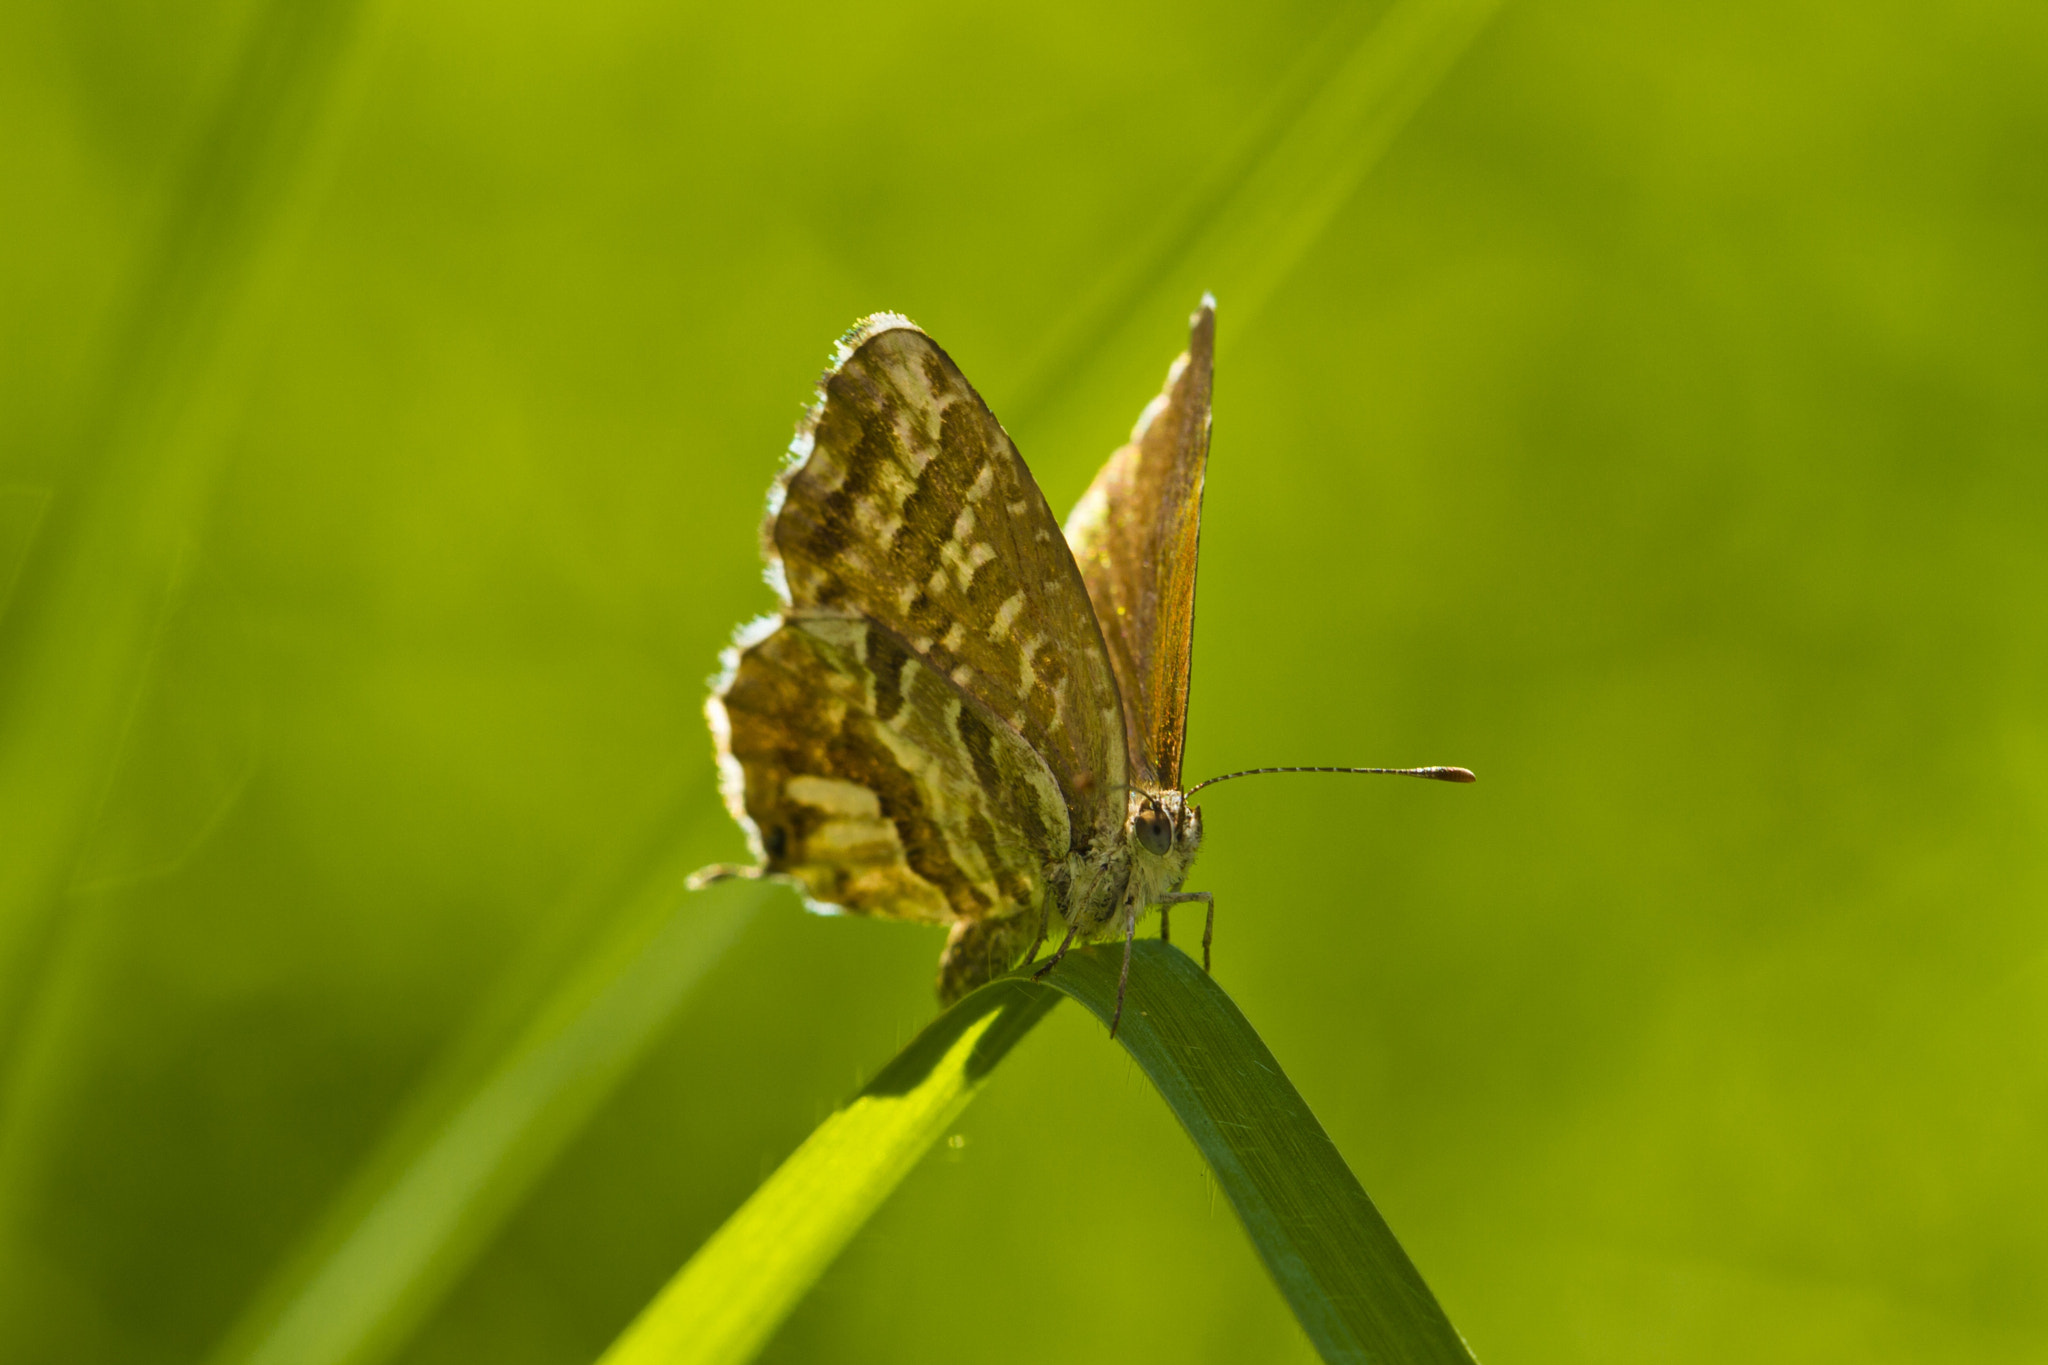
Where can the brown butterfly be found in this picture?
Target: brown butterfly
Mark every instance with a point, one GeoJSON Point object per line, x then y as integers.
{"type": "Point", "coordinates": [964, 715]}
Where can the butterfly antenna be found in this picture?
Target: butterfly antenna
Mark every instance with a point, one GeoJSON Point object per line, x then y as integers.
{"type": "Point", "coordinates": [1434, 774]}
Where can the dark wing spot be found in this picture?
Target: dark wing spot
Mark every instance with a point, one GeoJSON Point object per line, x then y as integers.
{"type": "Point", "coordinates": [964, 437]}
{"type": "Point", "coordinates": [987, 589]}
{"type": "Point", "coordinates": [825, 537]}
{"type": "Point", "coordinates": [927, 524]}
{"type": "Point", "coordinates": [1048, 670]}
{"type": "Point", "coordinates": [936, 376]}
{"type": "Point", "coordinates": [886, 658]}
{"type": "Point", "coordinates": [862, 437]}
{"type": "Point", "coordinates": [839, 425]}
{"type": "Point", "coordinates": [980, 746]}
{"type": "Point", "coordinates": [927, 618]}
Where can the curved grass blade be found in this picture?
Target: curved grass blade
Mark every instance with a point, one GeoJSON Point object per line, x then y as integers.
{"type": "Point", "coordinates": [1357, 1295]}
{"type": "Point", "coordinates": [1350, 1284]}
{"type": "Point", "coordinates": [725, 1304]}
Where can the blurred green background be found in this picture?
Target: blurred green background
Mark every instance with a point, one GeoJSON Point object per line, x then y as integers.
{"type": "Point", "coordinates": [1658, 427]}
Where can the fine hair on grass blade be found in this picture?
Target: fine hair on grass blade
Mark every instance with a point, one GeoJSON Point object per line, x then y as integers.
{"type": "Point", "coordinates": [1351, 1286]}
{"type": "Point", "coordinates": [725, 1304]}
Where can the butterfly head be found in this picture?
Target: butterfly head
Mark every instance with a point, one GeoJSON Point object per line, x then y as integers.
{"type": "Point", "coordinates": [1164, 825]}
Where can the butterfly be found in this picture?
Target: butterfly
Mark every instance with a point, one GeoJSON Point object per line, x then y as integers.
{"type": "Point", "coordinates": [966, 714]}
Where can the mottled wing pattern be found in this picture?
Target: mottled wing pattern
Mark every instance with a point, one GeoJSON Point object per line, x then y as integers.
{"type": "Point", "coordinates": [1135, 533]}
{"type": "Point", "coordinates": [907, 504]}
{"type": "Point", "coordinates": [881, 787]}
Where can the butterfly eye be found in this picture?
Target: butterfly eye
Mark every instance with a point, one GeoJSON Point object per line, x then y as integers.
{"type": "Point", "coordinates": [1154, 830]}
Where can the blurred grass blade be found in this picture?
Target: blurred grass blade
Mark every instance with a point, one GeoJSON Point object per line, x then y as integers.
{"type": "Point", "coordinates": [398, 1244]}
{"type": "Point", "coordinates": [1156, 264]}
{"type": "Point", "coordinates": [1290, 199]}
{"type": "Point", "coordinates": [21, 511]}
{"type": "Point", "coordinates": [1351, 1286]}
{"type": "Point", "coordinates": [148, 440]}
{"type": "Point", "coordinates": [1268, 195]}
{"type": "Point", "coordinates": [725, 1304]}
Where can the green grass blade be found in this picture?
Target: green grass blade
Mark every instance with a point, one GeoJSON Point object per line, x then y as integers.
{"type": "Point", "coordinates": [397, 1244]}
{"type": "Point", "coordinates": [1350, 1284]}
{"type": "Point", "coordinates": [1268, 197]}
{"type": "Point", "coordinates": [724, 1305]}
{"type": "Point", "coordinates": [150, 438]}
{"type": "Point", "coordinates": [1290, 199]}
{"type": "Point", "coordinates": [1354, 1290]}
{"type": "Point", "coordinates": [21, 510]}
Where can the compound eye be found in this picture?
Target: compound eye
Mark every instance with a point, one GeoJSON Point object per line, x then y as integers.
{"type": "Point", "coordinates": [1154, 831]}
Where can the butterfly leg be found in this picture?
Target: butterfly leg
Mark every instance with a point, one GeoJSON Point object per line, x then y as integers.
{"type": "Point", "coordinates": [1058, 953]}
{"type": "Point", "coordinates": [721, 872]}
{"type": "Point", "coordinates": [1165, 928]}
{"type": "Point", "coordinates": [1208, 928]}
{"type": "Point", "coordinates": [1208, 925]}
{"type": "Point", "coordinates": [1044, 918]}
{"type": "Point", "coordinates": [1124, 978]}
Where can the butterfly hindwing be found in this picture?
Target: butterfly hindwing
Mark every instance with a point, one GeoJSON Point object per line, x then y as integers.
{"type": "Point", "coordinates": [907, 504]}
{"type": "Point", "coordinates": [1135, 534]}
{"type": "Point", "coordinates": [878, 785]}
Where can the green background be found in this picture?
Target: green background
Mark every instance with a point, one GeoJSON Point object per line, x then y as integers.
{"type": "Point", "coordinates": [1659, 427]}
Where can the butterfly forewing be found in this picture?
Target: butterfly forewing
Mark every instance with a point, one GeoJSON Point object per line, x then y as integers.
{"type": "Point", "coordinates": [1135, 534]}
{"type": "Point", "coordinates": [932, 729]}
{"type": "Point", "coordinates": [909, 506]}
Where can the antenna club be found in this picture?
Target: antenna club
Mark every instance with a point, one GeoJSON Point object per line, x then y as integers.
{"type": "Point", "coordinates": [1452, 774]}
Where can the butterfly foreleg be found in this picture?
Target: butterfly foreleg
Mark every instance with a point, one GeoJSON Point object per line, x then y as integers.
{"type": "Point", "coordinates": [721, 872]}
{"type": "Point", "coordinates": [1044, 919]}
{"type": "Point", "coordinates": [1058, 953]}
{"type": "Point", "coordinates": [1124, 977]}
{"type": "Point", "coordinates": [1208, 924]}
